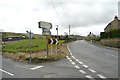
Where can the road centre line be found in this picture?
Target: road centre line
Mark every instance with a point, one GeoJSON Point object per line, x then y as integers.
{"type": "Point", "coordinates": [70, 60]}
{"type": "Point", "coordinates": [77, 67]}
{"type": "Point", "coordinates": [93, 71]}
{"type": "Point", "coordinates": [73, 63]}
{"type": "Point", "coordinates": [7, 72]}
{"type": "Point", "coordinates": [73, 57]}
{"type": "Point", "coordinates": [85, 66]}
{"type": "Point", "coordinates": [82, 71]}
{"type": "Point", "coordinates": [88, 76]}
{"type": "Point", "coordinates": [101, 76]}
{"type": "Point", "coordinates": [80, 62]}
{"type": "Point", "coordinates": [77, 60]}
{"type": "Point", "coordinates": [36, 67]}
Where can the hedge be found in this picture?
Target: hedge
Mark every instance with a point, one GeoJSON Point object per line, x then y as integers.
{"type": "Point", "coordinates": [111, 34]}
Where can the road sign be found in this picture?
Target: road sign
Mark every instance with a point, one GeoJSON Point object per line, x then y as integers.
{"type": "Point", "coordinates": [43, 24]}
{"type": "Point", "coordinates": [50, 41]}
{"type": "Point", "coordinates": [45, 30]}
{"type": "Point", "coordinates": [53, 41]}
{"type": "Point", "coordinates": [30, 34]}
{"type": "Point", "coordinates": [46, 33]}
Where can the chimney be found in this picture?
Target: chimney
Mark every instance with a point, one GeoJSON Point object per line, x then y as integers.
{"type": "Point", "coordinates": [115, 17]}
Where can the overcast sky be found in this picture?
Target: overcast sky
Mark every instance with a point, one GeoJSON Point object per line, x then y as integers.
{"type": "Point", "coordinates": [84, 16]}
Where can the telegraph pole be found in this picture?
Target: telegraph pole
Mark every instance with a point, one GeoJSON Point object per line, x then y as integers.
{"type": "Point", "coordinates": [57, 39]}
{"type": "Point", "coordinates": [69, 30]}
{"type": "Point", "coordinates": [57, 31]}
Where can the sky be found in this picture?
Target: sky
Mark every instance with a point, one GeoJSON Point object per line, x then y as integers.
{"type": "Point", "coordinates": [83, 16]}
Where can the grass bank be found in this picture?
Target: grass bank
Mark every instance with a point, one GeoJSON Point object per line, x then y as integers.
{"type": "Point", "coordinates": [24, 46]}
{"type": "Point", "coordinates": [20, 50]}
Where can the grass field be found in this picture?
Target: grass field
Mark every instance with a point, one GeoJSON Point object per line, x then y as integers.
{"type": "Point", "coordinates": [20, 50]}
{"type": "Point", "coordinates": [24, 46]}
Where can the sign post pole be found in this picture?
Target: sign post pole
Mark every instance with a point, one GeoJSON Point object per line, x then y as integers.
{"type": "Point", "coordinates": [51, 49]}
{"type": "Point", "coordinates": [30, 38]}
{"type": "Point", "coordinates": [30, 46]}
{"type": "Point", "coordinates": [47, 44]}
{"type": "Point", "coordinates": [56, 49]}
{"type": "Point", "coordinates": [57, 39]}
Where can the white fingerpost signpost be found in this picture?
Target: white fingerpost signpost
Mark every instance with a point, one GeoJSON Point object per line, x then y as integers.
{"type": "Point", "coordinates": [46, 26]}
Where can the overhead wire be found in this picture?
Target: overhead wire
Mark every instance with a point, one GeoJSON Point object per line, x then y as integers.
{"type": "Point", "coordinates": [51, 2]}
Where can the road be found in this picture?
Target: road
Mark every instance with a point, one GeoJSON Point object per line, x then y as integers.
{"type": "Point", "coordinates": [85, 61]}
{"type": "Point", "coordinates": [100, 61]}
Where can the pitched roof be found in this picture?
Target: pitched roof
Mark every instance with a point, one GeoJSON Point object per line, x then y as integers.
{"type": "Point", "coordinates": [112, 21]}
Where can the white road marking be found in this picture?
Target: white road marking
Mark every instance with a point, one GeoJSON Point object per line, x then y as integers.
{"type": "Point", "coordinates": [70, 60]}
{"type": "Point", "coordinates": [82, 71]}
{"type": "Point", "coordinates": [88, 76]}
{"type": "Point", "coordinates": [93, 71]}
{"type": "Point", "coordinates": [77, 60]}
{"type": "Point", "coordinates": [73, 63]}
{"type": "Point", "coordinates": [73, 57]}
{"type": "Point", "coordinates": [36, 67]}
{"type": "Point", "coordinates": [111, 55]}
{"type": "Point", "coordinates": [101, 76]}
{"type": "Point", "coordinates": [69, 50]}
{"type": "Point", "coordinates": [85, 66]}
{"type": "Point", "coordinates": [80, 62]}
{"type": "Point", "coordinates": [77, 67]}
{"type": "Point", "coordinates": [67, 57]}
{"type": "Point", "coordinates": [7, 72]}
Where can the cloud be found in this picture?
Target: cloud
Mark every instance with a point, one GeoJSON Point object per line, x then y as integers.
{"type": "Point", "coordinates": [85, 14]}
{"type": "Point", "coordinates": [19, 15]}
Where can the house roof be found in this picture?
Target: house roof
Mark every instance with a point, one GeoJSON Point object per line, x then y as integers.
{"type": "Point", "coordinates": [112, 21]}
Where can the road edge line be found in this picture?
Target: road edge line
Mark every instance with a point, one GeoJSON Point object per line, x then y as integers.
{"type": "Point", "coordinates": [69, 50]}
{"type": "Point", "coordinates": [6, 72]}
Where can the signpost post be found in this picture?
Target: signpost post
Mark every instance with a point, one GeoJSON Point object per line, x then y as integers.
{"type": "Point", "coordinates": [30, 37]}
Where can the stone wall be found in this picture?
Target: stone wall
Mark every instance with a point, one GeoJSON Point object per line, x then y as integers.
{"type": "Point", "coordinates": [111, 42]}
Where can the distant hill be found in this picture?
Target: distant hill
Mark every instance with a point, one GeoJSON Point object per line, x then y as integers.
{"type": "Point", "coordinates": [13, 34]}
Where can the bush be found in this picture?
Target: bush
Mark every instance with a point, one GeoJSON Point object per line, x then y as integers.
{"type": "Point", "coordinates": [70, 39]}
{"type": "Point", "coordinates": [111, 34]}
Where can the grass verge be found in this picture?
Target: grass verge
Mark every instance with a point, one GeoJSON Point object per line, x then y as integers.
{"type": "Point", "coordinates": [20, 51]}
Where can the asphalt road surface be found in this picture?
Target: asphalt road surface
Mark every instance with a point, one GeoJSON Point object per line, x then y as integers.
{"type": "Point", "coordinates": [85, 61]}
